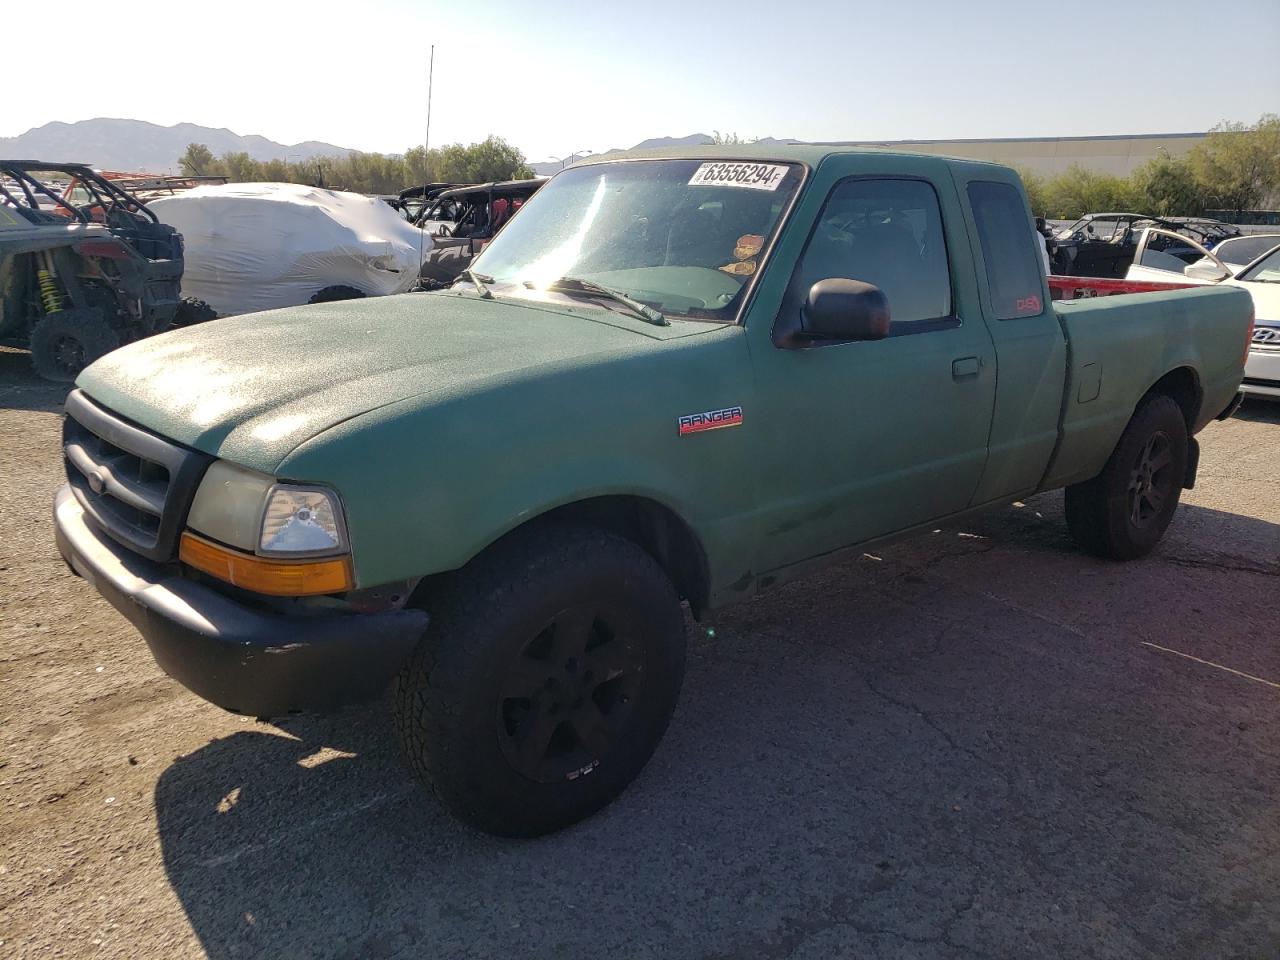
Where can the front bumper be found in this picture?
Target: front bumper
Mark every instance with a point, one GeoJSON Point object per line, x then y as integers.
{"type": "Point", "coordinates": [1262, 373]}
{"type": "Point", "coordinates": [241, 659]}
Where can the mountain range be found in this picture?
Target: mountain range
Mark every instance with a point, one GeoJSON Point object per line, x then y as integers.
{"type": "Point", "coordinates": [136, 145]}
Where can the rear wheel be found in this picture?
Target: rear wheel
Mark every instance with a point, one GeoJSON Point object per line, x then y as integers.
{"type": "Point", "coordinates": [335, 293]}
{"type": "Point", "coordinates": [545, 681]}
{"type": "Point", "coordinates": [64, 343]}
{"type": "Point", "coordinates": [1123, 512]}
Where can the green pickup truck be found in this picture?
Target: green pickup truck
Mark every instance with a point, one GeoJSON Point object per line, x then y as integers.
{"type": "Point", "coordinates": [675, 378]}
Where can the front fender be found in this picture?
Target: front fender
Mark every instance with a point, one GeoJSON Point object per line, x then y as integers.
{"type": "Point", "coordinates": [428, 486]}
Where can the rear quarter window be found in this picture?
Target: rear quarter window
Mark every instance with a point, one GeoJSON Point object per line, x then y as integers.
{"type": "Point", "coordinates": [1009, 251]}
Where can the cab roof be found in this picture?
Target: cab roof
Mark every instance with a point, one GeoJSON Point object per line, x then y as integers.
{"type": "Point", "coordinates": [811, 154]}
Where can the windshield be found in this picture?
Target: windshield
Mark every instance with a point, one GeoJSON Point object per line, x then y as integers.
{"type": "Point", "coordinates": [1266, 270]}
{"type": "Point", "coordinates": [684, 237]}
{"type": "Point", "coordinates": [1245, 250]}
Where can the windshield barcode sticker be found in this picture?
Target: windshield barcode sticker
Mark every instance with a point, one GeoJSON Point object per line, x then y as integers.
{"type": "Point", "coordinates": [751, 176]}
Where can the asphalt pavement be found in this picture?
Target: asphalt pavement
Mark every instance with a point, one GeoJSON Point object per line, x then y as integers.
{"type": "Point", "coordinates": [978, 743]}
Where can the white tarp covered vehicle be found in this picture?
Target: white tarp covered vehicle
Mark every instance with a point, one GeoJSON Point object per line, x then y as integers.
{"type": "Point", "coordinates": [257, 246]}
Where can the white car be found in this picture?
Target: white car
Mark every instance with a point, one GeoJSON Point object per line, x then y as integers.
{"type": "Point", "coordinates": [1261, 277]}
{"type": "Point", "coordinates": [1238, 252]}
{"type": "Point", "coordinates": [259, 246]}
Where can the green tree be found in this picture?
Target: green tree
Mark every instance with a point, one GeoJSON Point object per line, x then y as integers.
{"type": "Point", "coordinates": [197, 161]}
{"type": "Point", "coordinates": [1077, 191]}
{"type": "Point", "coordinates": [275, 171]}
{"type": "Point", "coordinates": [491, 159]}
{"type": "Point", "coordinates": [1167, 188]}
{"type": "Point", "coordinates": [240, 167]}
{"type": "Point", "coordinates": [730, 139]}
{"type": "Point", "coordinates": [1238, 165]}
{"type": "Point", "coordinates": [1036, 192]}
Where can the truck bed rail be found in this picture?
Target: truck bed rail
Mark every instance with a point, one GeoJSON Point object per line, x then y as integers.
{"type": "Point", "coordinates": [1081, 288]}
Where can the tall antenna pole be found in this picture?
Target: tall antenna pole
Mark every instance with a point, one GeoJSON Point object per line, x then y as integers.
{"type": "Point", "coordinates": [426, 151]}
{"type": "Point", "coordinates": [431, 69]}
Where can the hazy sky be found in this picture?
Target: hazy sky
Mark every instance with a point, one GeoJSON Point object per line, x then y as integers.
{"type": "Point", "coordinates": [554, 77]}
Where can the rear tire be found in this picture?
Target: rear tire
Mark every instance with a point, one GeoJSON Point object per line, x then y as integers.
{"type": "Point", "coordinates": [546, 679]}
{"type": "Point", "coordinates": [64, 343]}
{"type": "Point", "coordinates": [335, 293]}
{"type": "Point", "coordinates": [1122, 513]}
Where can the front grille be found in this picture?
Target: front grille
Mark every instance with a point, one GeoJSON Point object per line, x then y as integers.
{"type": "Point", "coordinates": [136, 487]}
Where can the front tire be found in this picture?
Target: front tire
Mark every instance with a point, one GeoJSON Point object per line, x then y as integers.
{"type": "Point", "coordinates": [336, 293]}
{"type": "Point", "coordinates": [546, 679]}
{"type": "Point", "coordinates": [1122, 513]}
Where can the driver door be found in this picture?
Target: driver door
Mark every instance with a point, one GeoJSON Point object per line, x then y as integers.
{"type": "Point", "coordinates": [867, 438]}
{"type": "Point", "coordinates": [1153, 262]}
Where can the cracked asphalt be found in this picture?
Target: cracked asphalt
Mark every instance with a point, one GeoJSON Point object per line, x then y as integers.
{"type": "Point", "coordinates": [978, 743]}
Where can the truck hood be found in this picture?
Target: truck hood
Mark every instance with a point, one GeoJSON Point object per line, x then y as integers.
{"type": "Point", "coordinates": [252, 388]}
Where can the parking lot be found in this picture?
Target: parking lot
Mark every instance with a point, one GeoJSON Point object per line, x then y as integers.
{"type": "Point", "coordinates": [977, 743]}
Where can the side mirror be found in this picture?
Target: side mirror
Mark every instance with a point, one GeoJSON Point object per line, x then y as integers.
{"type": "Point", "coordinates": [1205, 271]}
{"type": "Point", "coordinates": [839, 309]}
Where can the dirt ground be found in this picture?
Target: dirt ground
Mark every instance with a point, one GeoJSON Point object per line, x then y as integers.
{"type": "Point", "coordinates": [980, 743]}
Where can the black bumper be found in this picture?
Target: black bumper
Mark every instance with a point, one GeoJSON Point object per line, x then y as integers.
{"type": "Point", "coordinates": [243, 660]}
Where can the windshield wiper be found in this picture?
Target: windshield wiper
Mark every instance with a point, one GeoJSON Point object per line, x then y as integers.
{"type": "Point", "coordinates": [478, 280]}
{"type": "Point", "coordinates": [578, 285]}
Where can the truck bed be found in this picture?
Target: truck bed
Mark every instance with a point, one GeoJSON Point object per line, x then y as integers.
{"type": "Point", "coordinates": [1121, 342]}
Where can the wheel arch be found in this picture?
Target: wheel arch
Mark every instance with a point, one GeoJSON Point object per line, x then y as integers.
{"type": "Point", "coordinates": [654, 526]}
{"type": "Point", "coordinates": [1182, 385]}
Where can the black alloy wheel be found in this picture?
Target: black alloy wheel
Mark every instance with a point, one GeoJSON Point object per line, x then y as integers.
{"type": "Point", "coordinates": [568, 694]}
{"type": "Point", "coordinates": [1151, 481]}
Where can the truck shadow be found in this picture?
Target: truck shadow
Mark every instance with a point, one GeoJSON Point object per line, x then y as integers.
{"type": "Point", "coordinates": [21, 389]}
{"type": "Point", "coordinates": [859, 759]}
{"type": "Point", "coordinates": [1259, 411]}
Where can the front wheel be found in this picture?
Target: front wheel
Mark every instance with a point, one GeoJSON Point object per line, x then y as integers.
{"type": "Point", "coordinates": [546, 679]}
{"type": "Point", "coordinates": [1123, 512]}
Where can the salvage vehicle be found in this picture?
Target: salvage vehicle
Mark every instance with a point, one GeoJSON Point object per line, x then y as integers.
{"type": "Point", "coordinates": [83, 272]}
{"type": "Point", "coordinates": [411, 203]}
{"type": "Point", "coordinates": [1103, 244]}
{"type": "Point", "coordinates": [675, 376]}
{"type": "Point", "coordinates": [1260, 277]}
{"type": "Point", "coordinates": [462, 220]}
{"type": "Point", "coordinates": [1236, 253]}
{"type": "Point", "coordinates": [258, 246]}
{"type": "Point", "coordinates": [1097, 245]}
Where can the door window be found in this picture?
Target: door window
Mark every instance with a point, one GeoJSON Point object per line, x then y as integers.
{"type": "Point", "coordinates": [884, 232]}
{"type": "Point", "coordinates": [1009, 250]}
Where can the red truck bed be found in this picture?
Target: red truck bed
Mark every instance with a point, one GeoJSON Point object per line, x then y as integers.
{"type": "Point", "coordinates": [1079, 288]}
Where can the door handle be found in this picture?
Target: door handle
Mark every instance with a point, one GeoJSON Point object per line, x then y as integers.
{"type": "Point", "coordinates": [965, 368]}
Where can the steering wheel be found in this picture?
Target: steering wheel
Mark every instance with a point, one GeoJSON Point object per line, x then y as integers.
{"type": "Point", "coordinates": [443, 230]}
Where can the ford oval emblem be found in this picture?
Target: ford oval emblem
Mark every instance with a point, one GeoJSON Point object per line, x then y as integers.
{"type": "Point", "coordinates": [97, 483]}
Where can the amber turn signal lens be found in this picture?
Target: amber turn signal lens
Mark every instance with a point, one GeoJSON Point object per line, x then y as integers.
{"type": "Point", "coordinates": [276, 578]}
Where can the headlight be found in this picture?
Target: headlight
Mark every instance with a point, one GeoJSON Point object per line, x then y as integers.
{"type": "Point", "coordinates": [270, 537]}
{"type": "Point", "coordinates": [228, 505]}
{"type": "Point", "coordinates": [301, 521]}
